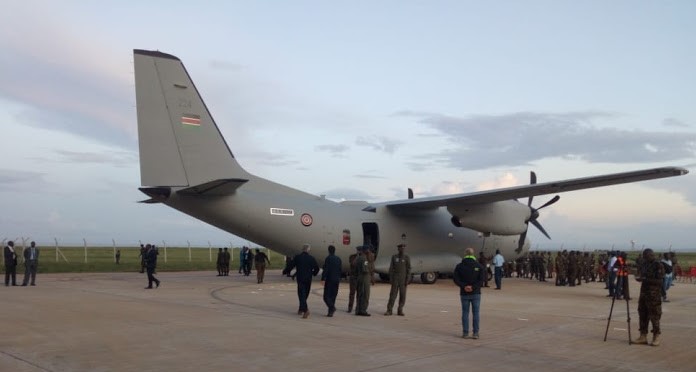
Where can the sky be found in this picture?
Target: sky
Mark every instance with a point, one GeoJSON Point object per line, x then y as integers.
{"type": "Point", "coordinates": [357, 100]}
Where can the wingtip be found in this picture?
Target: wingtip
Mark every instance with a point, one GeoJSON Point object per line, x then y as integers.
{"type": "Point", "coordinates": [155, 53]}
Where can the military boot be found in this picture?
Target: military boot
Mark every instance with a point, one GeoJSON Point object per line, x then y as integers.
{"type": "Point", "coordinates": [642, 340]}
{"type": "Point", "coordinates": [657, 338]}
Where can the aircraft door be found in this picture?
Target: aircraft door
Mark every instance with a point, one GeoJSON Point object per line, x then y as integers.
{"type": "Point", "coordinates": [371, 236]}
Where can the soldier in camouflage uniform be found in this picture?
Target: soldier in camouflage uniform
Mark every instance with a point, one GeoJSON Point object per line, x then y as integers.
{"type": "Point", "coordinates": [593, 268]}
{"type": "Point", "coordinates": [549, 266]}
{"type": "Point", "coordinates": [352, 279]}
{"type": "Point", "coordinates": [581, 267]}
{"type": "Point", "coordinates": [650, 300]}
{"type": "Point", "coordinates": [541, 266]}
{"type": "Point", "coordinates": [572, 268]}
{"type": "Point", "coordinates": [560, 269]}
{"type": "Point", "coordinates": [363, 270]}
{"type": "Point", "coordinates": [399, 275]}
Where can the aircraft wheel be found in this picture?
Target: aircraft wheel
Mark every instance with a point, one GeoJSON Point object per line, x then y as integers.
{"type": "Point", "coordinates": [428, 278]}
{"type": "Point", "coordinates": [384, 277]}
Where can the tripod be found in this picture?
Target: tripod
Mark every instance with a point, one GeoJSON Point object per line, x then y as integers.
{"type": "Point", "coordinates": [624, 287]}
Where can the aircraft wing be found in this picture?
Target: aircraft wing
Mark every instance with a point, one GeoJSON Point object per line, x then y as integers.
{"type": "Point", "coordinates": [524, 191]}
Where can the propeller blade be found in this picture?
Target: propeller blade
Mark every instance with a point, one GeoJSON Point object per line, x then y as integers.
{"type": "Point", "coordinates": [538, 226]}
{"type": "Point", "coordinates": [555, 199]}
{"type": "Point", "coordinates": [520, 244]}
{"type": "Point", "coordinates": [532, 181]}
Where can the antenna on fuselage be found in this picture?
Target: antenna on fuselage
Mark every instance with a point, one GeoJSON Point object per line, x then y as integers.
{"type": "Point", "coordinates": [410, 193]}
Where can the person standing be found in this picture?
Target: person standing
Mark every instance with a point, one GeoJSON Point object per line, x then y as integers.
{"type": "Point", "coordinates": [226, 257]}
{"type": "Point", "coordinates": [399, 276]}
{"type": "Point", "coordinates": [331, 276]}
{"type": "Point", "coordinates": [143, 259]}
{"type": "Point", "coordinates": [151, 265]}
{"type": "Point", "coordinates": [242, 258]}
{"type": "Point", "coordinates": [352, 278]}
{"type": "Point", "coordinates": [363, 272]}
{"type": "Point", "coordinates": [483, 261]}
{"type": "Point", "coordinates": [667, 282]}
{"type": "Point", "coordinates": [469, 275]}
{"type": "Point", "coordinates": [612, 270]}
{"type": "Point", "coordinates": [31, 262]}
{"type": "Point", "coordinates": [498, 261]}
{"type": "Point", "coordinates": [118, 256]}
{"type": "Point", "coordinates": [260, 260]}
{"type": "Point", "coordinates": [10, 263]}
{"type": "Point", "coordinates": [306, 267]}
{"type": "Point", "coordinates": [650, 300]}
{"type": "Point", "coordinates": [219, 262]}
{"type": "Point", "coordinates": [248, 262]}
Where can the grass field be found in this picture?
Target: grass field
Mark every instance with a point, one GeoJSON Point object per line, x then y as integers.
{"type": "Point", "coordinates": [101, 259]}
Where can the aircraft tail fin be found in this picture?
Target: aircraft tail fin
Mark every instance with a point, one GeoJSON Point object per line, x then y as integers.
{"type": "Point", "coordinates": [180, 144]}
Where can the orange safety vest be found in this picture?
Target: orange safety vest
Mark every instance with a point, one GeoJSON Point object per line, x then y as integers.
{"type": "Point", "coordinates": [623, 270]}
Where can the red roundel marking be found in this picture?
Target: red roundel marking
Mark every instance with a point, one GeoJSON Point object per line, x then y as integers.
{"type": "Point", "coordinates": [306, 219]}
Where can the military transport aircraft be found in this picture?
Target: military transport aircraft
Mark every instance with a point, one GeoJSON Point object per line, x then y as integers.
{"type": "Point", "coordinates": [186, 164]}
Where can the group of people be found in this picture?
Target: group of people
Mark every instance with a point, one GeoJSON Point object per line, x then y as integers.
{"type": "Point", "coordinates": [223, 262]}
{"type": "Point", "coordinates": [361, 278]}
{"type": "Point", "coordinates": [470, 275]}
{"type": "Point", "coordinates": [31, 264]}
{"type": "Point", "coordinates": [246, 258]}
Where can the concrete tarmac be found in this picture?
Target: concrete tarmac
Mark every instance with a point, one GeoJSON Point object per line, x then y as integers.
{"type": "Point", "coordinates": [197, 321]}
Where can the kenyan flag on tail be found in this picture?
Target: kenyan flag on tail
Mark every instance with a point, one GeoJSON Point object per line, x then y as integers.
{"type": "Point", "coordinates": [191, 120]}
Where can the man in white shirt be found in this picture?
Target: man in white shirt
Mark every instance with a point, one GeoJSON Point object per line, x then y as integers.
{"type": "Point", "coordinates": [498, 261]}
{"type": "Point", "coordinates": [667, 282]}
{"type": "Point", "coordinates": [611, 271]}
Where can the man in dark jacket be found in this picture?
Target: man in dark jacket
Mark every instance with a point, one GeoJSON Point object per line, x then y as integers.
{"type": "Point", "coordinates": [469, 275]}
{"type": "Point", "coordinates": [151, 265]}
{"type": "Point", "coordinates": [331, 276]}
{"type": "Point", "coordinates": [306, 267]}
{"type": "Point", "coordinates": [10, 264]}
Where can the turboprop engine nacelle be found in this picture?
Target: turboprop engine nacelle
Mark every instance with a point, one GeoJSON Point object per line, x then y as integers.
{"type": "Point", "coordinates": [507, 217]}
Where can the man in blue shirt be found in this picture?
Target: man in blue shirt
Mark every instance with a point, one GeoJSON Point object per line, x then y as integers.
{"type": "Point", "coordinates": [498, 262]}
{"type": "Point", "coordinates": [331, 276]}
{"type": "Point", "coordinates": [307, 267]}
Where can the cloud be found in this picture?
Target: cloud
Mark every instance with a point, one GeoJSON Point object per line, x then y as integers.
{"type": "Point", "coordinates": [225, 65]}
{"type": "Point", "coordinates": [369, 176]}
{"type": "Point", "coordinates": [65, 82]}
{"type": "Point", "coordinates": [346, 194]}
{"type": "Point", "coordinates": [337, 151]}
{"type": "Point", "coordinates": [379, 143]}
{"type": "Point", "coordinates": [16, 180]}
{"type": "Point", "coordinates": [485, 141]}
{"type": "Point", "coordinates": [672, 122]}
{"type": "Point", "coordinates": [276, 160]}
{"type": "Point", "coordinates": [114, 158]}
{"type": "Point", "coordinates": [506, 180]}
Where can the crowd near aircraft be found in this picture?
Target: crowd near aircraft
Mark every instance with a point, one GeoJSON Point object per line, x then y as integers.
{"type": "Point", "coordinates": [186, 164]}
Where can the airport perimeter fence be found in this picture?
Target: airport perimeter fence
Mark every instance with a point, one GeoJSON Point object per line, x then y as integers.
{"type": "Point", "coordinates": [86, 258]}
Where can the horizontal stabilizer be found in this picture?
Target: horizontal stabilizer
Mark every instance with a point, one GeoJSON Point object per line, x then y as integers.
{"type": "Point", "coordinates": [157, 193]}
{"type": "Point", "coordinates": [150, 201]}
{"type": "Point", "coordinates": [214, 188]}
